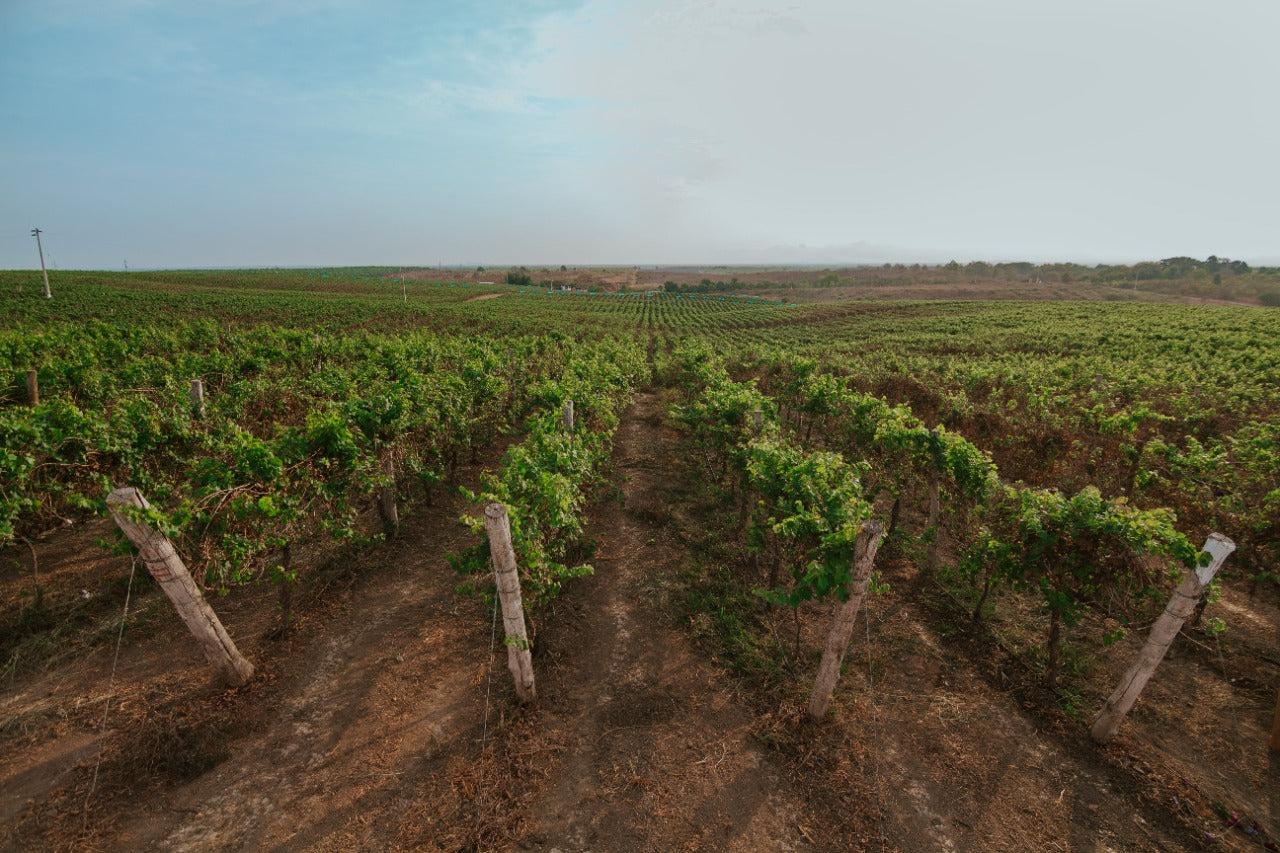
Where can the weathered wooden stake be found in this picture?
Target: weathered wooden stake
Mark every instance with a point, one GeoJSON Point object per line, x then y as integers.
{"type": "Point", "coordinates": [387, 498]}
{"type": "Point", "coordinates": [162, 560]}
{"type": "Point", "coordinates": [519, 660]}
{"type": "Point", "coordinates": [846, 614]}
{"type": "Point", "coordinates": [33, 387]}
{"type": "Point", "coordinates": [1108, 720]}
{"type": "Point", "coordinates": [757, 420]}
{"type": "Point", "coordinates": [197, 397]}
{"type": "Point", "coordinates": [568, 415]}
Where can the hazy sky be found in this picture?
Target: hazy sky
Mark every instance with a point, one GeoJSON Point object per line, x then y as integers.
{"type": "Point", "coordinates": [291, 132]}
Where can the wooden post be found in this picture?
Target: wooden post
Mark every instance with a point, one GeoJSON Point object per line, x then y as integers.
{"type": "Point", "coordinates": [33, 387]}
{"type": "Point", "coordinates": [519, 660]}
{"type": "Point", "coordinates": [935, 500]}
{"type": "Point", "coordinates": [162, 560]}
{"type": "Point", "coordinates": [757, 420]}
{"type": "Point", "coordinates": [35, 232]}
{"type": "Point", "coordinates": [387, 498]}
{"type": "Point", "coordinates": [568, 415]}
{"type": "Point", "coordinates": [1108, 720]}
{"type": "Point", "coordinates": [846, 614]}
{"type": "Point", "coordinates": [197, 397]}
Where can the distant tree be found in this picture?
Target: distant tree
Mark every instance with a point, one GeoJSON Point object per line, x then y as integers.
{"type": "Point", "coordinates": [1146, 271]}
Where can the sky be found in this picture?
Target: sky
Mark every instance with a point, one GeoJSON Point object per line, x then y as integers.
{"type": "Point", "coordinates": [194, 133]}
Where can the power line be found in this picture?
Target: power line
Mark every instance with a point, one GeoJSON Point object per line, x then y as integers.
{"type": "Point", "coordinates": [35, 232]}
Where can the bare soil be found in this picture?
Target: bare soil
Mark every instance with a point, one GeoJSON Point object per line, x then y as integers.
{"type": "Point", "coordinates": [386, 719]}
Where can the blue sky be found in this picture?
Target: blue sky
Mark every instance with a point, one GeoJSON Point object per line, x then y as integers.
{"type": "Point", "coordinates": [193, 133]}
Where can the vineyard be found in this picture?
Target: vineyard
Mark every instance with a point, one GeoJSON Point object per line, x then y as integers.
{"type": "Point", "coordinates": [838, 575]}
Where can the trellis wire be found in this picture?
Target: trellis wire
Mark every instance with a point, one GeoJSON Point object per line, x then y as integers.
{"type": "Point", "coordinates": [106, 708]}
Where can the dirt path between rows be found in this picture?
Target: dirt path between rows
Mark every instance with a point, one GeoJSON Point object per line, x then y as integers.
{"type": "Point", "coordinates": [654, 750]}
{"type": "Point", "coordinates": [642, 742]}
{"type": "Point", "coordinates": [387, 720]}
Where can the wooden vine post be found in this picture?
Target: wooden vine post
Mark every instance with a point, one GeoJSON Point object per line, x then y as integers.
{"type": "Point", "coordinates": [33, 387]}
{"type": "Point", "coordinates": [519, 660]}
{"type": "Point", "coordinates": [846, 614]}
{"type": "Point", "coordinates": [197, 397]}
{"type": "Point", "coordinates": [568, 415]}
{"type": "Point", "coordinates": [1108, 720]}
{"type": "Point", "coordinates": [387, 498]}
{"type": "Point", "coordinates": [757, 420]}
{"type": "Point", "coordinates": [164, 564]}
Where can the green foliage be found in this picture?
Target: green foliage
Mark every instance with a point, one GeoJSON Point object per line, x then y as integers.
{"type": "Point", "coordinates": [1073, 549]}
{"type": "Point", "coordinates": [295, 434]}
{"type": "Point", "coordinates": [545, 480]}
{"type": "Point", "coordinates": [811, 502]}
{"type": "Point", "coordinates": [805, 507]}
{"type": "Point", "coordinates": [899, 447]}
{"type": "Point", "coordinates": [315, 379]}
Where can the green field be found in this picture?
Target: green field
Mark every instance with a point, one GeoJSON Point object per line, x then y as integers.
{"type": "Point", "coordinates": [1164, 405]}
{"type": "Point", "coordinates": [1044, 472]}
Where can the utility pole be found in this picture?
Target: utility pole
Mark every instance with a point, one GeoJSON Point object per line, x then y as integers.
{"type": "Point", "coordinates": [35, 232]}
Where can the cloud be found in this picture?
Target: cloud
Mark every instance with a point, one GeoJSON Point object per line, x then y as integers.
{"type": "Point", "coordinates": [650, 131]}
{"type": "Point", "coordinates": [1091, 128]}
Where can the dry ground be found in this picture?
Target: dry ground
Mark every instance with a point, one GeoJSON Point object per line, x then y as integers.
{"type": "Point", "coordinates": [386, 719]}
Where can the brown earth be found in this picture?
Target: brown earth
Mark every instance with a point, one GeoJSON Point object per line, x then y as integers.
{"type": "Point", "coordinates": [386, 719]}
